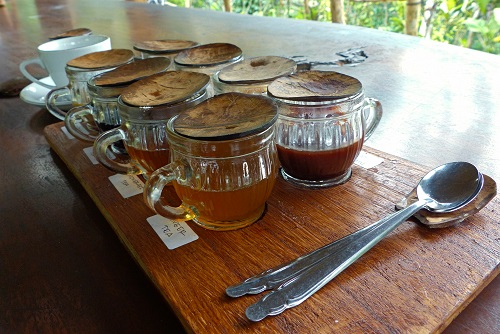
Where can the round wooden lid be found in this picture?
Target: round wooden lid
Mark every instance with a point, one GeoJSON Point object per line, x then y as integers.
{"type": "Point", "coordinates": [136, 70]}
{"type": "Point", "coordinates": [72, 33]}
{"type": "Point", "coordinates": [103, 59]}
{"type": "Point", "coordinates": [165, 88]}
{"type": "Point", "coordinates": [208, 54]}
{"type": "Point", "coordinates": [164, 45]}
{"type": "Point", "coordinates": [257, 69]}
{"type": "Point", "coordinates": [227, 116]}
{"type": "Point", "coordinates": [314, 86]}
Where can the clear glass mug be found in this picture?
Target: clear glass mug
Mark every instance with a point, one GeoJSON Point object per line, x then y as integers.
{"type": "Point", "coordinates": [87, 122]}
{"type": "Point", "coordinates": [208, 59]}
{"type": "Point", "coordinates": [77, 87]}
{"type": "Point", "coordinates": [318, 142]}
{"type": "Point", "coordinates": [143, 131]}
{"type": "Point", "coordinates": [223, 182]}
{"type": "Point", "coordinates": [101, 114]}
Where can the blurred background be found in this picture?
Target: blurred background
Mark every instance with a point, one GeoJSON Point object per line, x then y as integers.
{"type": "Point", "coordinates": [471, 24]}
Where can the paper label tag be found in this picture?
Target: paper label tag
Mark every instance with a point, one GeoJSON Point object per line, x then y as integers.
{"type": "Point", "coordinates": [367, 160]}
{"type": "Point", "coordinates": [173, 234]}
{"type": "Point", "coordinates": [89, 152]}
{"type": "Point", "coordinates": [66, 132]}
{"type": "Point", "coordinates": [127, 185]}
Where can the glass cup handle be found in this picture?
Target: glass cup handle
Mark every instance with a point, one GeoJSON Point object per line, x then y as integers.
{"type": "Point", "coordinates": [27, 75]}
{"type": "Point", "coordinates": [153, 190]}
{"type": "Point", "coordinates": [51, 99]}
{"type": "Point", "coordinates": [79, 121]}
{"type": "Point", "coordinates": [372, 113]}
{"type": "Point", "coordinates": [101, 146]}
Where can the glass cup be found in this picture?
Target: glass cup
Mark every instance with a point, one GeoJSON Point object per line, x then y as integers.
{"type": "Point", "coordinates": [101, 114]}
{"type": "Point", "coordinates": [252, 75]}
{"type": "Point", "coordinates": [224, 166]}
{"type": "Point", "coordinates": [208, 59]}
{"type": "Point", "coordinates": [143, 126]}
{"type": "Point", "coordinates": [87, 122]}
{"type": "Point", "coordinates": [318, 138]}
{"type": "Point", "coordinates": [82, 69]}
{"type": "Point", "coordinates": [168, 48]}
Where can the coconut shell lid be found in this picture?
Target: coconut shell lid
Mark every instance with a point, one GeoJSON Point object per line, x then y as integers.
{"type": "Point", "coordinates": [257, 69]}
{"type": "Point", "coordinates": [227, 116]}
{"type": "Point", "coordinates": [103, 59]}
{"type": "Point", "coordinates": [208, 54]}
{"type": "Point", "coordinates": [72, 33]}
{"type": "Point", "coordinates": [165, 88]}
{"type": "Point", "coordinates": [164, 45]}
{"type": "Point", "coordinates": [314, 86]}
{"type": "Point", "coordinates": [136, 70]}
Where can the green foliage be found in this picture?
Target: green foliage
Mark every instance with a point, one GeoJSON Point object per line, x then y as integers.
{"type": "Point", "coordinates": [487, 32]}
{"type": "Point", "coordinates": [468, 23]}
{"type": "Point", "coordinates": [472, 24]}
{"type": "Point", "coordinates": [387, 16]}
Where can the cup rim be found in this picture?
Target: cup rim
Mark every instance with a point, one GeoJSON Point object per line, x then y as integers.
{"type": "Point", "coordinates": [357, 102]}
{"type": "Point", "coordinates": [90, 40]}
{"type": "Point", "coordinates": [320, 102]}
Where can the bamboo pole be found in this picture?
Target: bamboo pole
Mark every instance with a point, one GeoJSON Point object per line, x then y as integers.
{"type": "Point", "coordinates": [228, 5]}
{"type": "Point", "coordinates": [337, 7]}
{"type": "Point", "coordinates": [412, 17]}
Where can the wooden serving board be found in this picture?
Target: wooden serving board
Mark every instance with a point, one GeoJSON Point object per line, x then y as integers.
{"type": "Point", "coordinates": [416, 280]}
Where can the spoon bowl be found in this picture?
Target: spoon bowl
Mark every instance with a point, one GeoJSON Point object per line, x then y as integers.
{"type": "Point", "coordinates": [449, 187]}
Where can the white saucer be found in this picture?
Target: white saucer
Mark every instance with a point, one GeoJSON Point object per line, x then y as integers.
{"type": "Point", "coordinates": [35, 94]}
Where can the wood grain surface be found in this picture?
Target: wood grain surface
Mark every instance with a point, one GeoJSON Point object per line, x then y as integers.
{"type": "Point", "coordinates": [414, 281]}
{"type": "Point", "coordinates": [103, 59]}
{"type": "Point", "coordinates": [133, 71]}
{"type": "Point", "coordinates": [257, 69]}
{"type": "Point", "coordinates": [165, 88]}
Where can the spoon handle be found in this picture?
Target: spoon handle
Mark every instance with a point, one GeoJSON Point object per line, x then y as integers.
{"type": "Point", "coordinates": [276, 276]}
{"type": "Point", "coordinates": [299, 288]}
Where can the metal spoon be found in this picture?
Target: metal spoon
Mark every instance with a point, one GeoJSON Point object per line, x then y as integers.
{"type": "Point", "coordinates": [444, 189]}
{"type": "Point", "coordinates": [273, 278]}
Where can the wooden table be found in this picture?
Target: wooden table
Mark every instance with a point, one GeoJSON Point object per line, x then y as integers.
{"type": "Point", "coordinates": [65, 269]}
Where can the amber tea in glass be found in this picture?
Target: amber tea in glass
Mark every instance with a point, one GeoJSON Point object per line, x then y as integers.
{"type": "Point", "coordinates": [224, 164]}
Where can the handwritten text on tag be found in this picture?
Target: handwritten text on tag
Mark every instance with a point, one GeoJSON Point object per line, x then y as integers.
{"type": "Point", "coordinates": [173, 234]}
{"type": "Point", "coordinates": [127, 185]}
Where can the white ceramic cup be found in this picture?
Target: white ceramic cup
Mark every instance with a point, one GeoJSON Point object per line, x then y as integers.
{"type": "Point", "coordinates": [53, 56]}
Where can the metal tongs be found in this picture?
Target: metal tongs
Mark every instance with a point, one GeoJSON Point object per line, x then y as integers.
{"type": "Point", "coordinates": [350, 57]}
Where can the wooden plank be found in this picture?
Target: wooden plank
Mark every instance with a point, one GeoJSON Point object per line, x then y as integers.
{"type": "Point", "coordinates": [415, 280]}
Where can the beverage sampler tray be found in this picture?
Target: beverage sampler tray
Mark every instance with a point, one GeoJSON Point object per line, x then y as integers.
{"type": "Point", "coordinates": [416, 280]}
